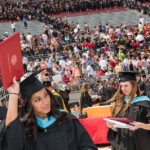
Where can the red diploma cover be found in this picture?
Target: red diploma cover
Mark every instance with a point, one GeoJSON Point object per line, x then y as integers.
{"type": "Point", "coordinates": [120, 122]}
{"type": "Point", "coordinates": [11, 64]}
{"type": "Point", "coordinates": [123, 120]}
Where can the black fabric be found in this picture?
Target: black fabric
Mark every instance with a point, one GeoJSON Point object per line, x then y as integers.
{"type": "Point", "coordinates": [142, 86]}
{"type": "Point", "coordinates": [127, 76]}
{"type": "Point", "coordinates": [2, 126]}
{"type": "Point", "coordinates": [102, 92]}
{"type": "Point", "coordinates": [70, 135]}
{"type": "Point", "coordinates": [3, 112]}
{"type": "Point", "coordinates": [30, 85]}
{"type": "Point", "coordinates": [59, 99]}
{"type": "Point", "coordinates": [110, 91]}
{"type": "Point", "coordinates": [85, 100]}
{"type": "Point", "coordinates": [125, 139]}
{"type": "Point", "coordinates": [65, 96]}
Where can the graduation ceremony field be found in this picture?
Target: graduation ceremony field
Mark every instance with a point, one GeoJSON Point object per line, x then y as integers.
{"type": "Point", "coordinates": [114, 18]}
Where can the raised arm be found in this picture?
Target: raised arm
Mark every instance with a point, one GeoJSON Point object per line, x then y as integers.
{"type": "Point", "coordinates": [12, 111]}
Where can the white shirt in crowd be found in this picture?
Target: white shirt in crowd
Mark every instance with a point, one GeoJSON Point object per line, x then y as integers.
{"type": "Point", "coordinates": [76, 50]}
{"type": "Point", "coordinates": [25, 61]}
{"type": "Point", "coordinates": [75, 30]}
{"type": "Point", "coordinates": [140, 38]}
{"type": "Point", "coordinates": [108, 73]}
{"type": "Point", "coordinates": [118, 30]}
{"type": "Point", "coordinates": [62, 63]}
{"type": "Point", "coordinates": [142, 20]}
{"type": "Point", "coordinates": [85, 54]}
{"type": "Point", "coordinates": [103, 63]}
{"type": "Point", "coordinates": [13, 25]}
{"type": "Point", "coordinates": [23, 45]}
{"type": "Point", "coordinates": [90, 70]}
{"type": "Point", "coordinates": [107, 37]}
{"type": "Point", "coordinates": [134, 62]}
{"type": "Point", "coordinates": [126, 61]}
{"type": "Point", "coordinates": [29, 37]}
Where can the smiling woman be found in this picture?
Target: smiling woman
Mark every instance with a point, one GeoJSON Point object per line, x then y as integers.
{"type": "Point", "coordinates": [129, 104]}
{"type": "Point", "coordinates": [42, 125]}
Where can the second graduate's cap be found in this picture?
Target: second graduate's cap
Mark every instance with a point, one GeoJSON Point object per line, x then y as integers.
{"type": "Point", "coordinates": [127, 76]}
{"type": "Point", "coordinates": [30, 85]}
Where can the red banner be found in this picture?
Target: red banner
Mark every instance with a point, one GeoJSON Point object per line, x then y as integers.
{"type": "Point", "coordinates": [97, 129]}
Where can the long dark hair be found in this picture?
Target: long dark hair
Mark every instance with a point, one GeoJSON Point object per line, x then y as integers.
{"type": "Point", "coordinates": [28, 117]}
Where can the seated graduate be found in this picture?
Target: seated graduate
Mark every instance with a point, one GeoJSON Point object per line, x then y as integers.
{"type": "Point", "coordinates": [129, 104]}
{"type": "Point", "coordinates": [42, 125]}
{"type": "Point", "coordinates": [101, 92]}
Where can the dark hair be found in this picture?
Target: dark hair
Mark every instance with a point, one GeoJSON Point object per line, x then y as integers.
{"type": "Point", "coordinates": [28, 117]}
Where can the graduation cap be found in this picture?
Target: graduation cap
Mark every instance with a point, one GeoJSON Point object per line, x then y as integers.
{"type": "Point", "coordinates": [31, 85]}
{"type": "Point", "coordinates": [127, 76]}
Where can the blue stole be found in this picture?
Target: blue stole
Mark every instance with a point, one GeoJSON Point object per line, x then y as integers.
{"type": "Point", "coordinates": [138, 99]}
{"type": "Point", "coordinates": [47, 122]}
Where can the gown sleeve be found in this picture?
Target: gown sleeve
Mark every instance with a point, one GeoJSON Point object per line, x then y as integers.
{"type": "Point", "coordinates": [81, 101]}
{"type": "Point", "coordinates": [84, 141]}
{"type": "Point", "coordinates": [12, 136]}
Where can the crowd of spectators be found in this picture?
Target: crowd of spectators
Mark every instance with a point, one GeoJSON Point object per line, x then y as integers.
{"type": "Point", "coordinates": [16, 11]}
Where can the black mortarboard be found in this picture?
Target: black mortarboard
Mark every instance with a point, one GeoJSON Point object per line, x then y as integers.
{"type": "Point", "coordinates": [127, 76]}
{"type": "Point", "coordinates": [30, 85]}
{"type": "Point", "coordinates": [47, 83]}
{"type": "Point", "coordinates": [138, 73]}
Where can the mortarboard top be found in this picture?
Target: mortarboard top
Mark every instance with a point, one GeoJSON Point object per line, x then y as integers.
{"type": "Point", "coordinates": [127, 76]}
{"type": "Point", "coordinates": [31, 85]}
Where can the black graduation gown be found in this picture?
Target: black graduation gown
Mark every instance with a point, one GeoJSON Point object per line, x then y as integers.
{"type": "Point", "coordinates": [110, 91]}
{"type": "Point", "coordinates": [85, 100]}
{"type": "Point", "coordinates": [3, 112]}
{"type": "Point", "coordinates": [125, 139]}
{"type": "Point", "coordinates": [71, 135]}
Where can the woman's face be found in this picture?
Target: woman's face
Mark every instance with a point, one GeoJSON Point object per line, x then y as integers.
{"type": "Point", "coordinates": [41, 103]}
{"type": "Point", "coordinates": [126, 88]}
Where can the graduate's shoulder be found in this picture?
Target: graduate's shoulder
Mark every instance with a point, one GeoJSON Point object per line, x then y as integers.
{"type": "Point", "coordinates": [70, 117]}
{"type": "Point", "coordinates": [145, 102]}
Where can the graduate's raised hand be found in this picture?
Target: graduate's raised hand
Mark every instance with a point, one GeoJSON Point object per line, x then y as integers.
{"type": "Point", "coordinates": [14, 88]}
{"type": "Point", "coordinates": [12, 111]}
